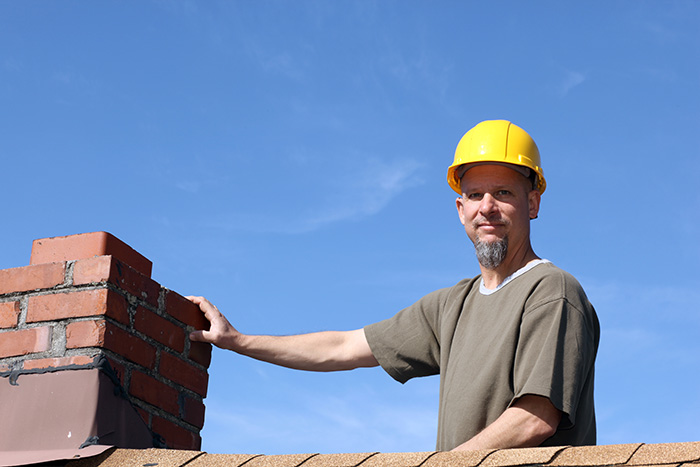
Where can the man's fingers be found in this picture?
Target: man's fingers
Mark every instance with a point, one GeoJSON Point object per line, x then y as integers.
{"type": "Point", "coordinates": [210, 311]}
{"type": "Point", "coordinates": [198, 336]}
{"type": "Point", "coordinates": [200, 301]}
{"type": "Point", "coordinates": [220, 330]}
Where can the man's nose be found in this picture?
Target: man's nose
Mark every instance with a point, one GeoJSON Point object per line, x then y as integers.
{"type": "Point", "coordinates": [487, 204]}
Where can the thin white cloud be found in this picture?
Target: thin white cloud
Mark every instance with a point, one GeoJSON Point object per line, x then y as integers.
{"type": "Point", "coordinates": [189, 186]}
{"type": "Point", "coordinates": [10, 64]}
{"type": "Point", "coordinates": [571, 80]}
{"type": "Point", "coordinates": [657, 300]}
{"type": "Point", "coordinates": [279, 62]}
{"type": "Point", "coordinates": [361, 190]}
{"type": "Point", "coordinates": [65, 77]}
{"type": "Point", "coordinates": [417, 69]}
{"type": "Point", "coordinates": [645, 321]}
{"type": "Point", "coordinates": [366, 192]}
{"type": "Point", "coordinates": [659, 31]}
{"type": "Point", "coordinates": [663, 75]}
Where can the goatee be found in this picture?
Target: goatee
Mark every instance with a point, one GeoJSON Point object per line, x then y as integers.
{"type": "Point", "coordinates": [491, 254]}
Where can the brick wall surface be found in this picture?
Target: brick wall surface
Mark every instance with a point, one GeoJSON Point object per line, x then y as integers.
{"type": "Point", "coordinates": [66, 314]}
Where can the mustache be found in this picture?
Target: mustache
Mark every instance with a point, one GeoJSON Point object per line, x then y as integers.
{"type": "Point", "coordinates": [490, 220]}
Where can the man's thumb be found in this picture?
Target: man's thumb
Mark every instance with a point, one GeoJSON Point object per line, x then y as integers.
{"type": "Point", "coordinates": [197, 336]}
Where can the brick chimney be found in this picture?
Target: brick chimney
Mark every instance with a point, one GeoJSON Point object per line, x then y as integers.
{"type": "Point", "coordinates": [95, 352]}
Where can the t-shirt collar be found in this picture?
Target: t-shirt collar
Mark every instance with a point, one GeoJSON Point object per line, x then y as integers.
{"type": "Point", "coordinates": [519, 272]}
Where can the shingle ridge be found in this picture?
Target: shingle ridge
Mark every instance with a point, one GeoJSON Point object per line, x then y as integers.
{"type": "Point", "coordinates": [367, 458]}
{"type": "Point", "coordinates": [194, 458]}
{"type": "Point", "coordinates": [565, 450]}
{"type": "Point", "coordinates": [310, 457]}
{"type": "Point", "coordinates": [559, 453]}
{"type": "Point", "coordinates": [489, 455]}
{"type": "Point", "coordinates": [634, 452]}
{"type": "Point", "coordinates": [426, 459]}
{"type": "Point", "coordinates": [668, 453]}
{"type": "Point", "coordinates": [248, 460]}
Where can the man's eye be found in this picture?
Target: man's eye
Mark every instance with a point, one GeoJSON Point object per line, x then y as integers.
{"type": "Point", "coordinates": [503, 193]}
{"type": "Point", "coordinates": [474, 196]}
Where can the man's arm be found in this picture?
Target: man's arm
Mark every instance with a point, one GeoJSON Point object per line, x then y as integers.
{"type": "Point", "coordinates": [526, 423]}
{"type": "Point", "coordinates": [321, 351]}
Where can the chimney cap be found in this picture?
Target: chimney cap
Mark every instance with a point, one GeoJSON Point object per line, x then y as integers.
{"type": "Point", "coordinates": [87, 245]}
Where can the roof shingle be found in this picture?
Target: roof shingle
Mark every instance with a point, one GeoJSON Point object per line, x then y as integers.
{"type": "Point", "coordinates": [670, 453]}
{"type": "Point", "coordinates": [619, 455]}
{"type": "Point", "coordinates": [614, 454]}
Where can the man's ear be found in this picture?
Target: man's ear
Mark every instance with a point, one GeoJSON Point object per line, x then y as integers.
{"type": "Point", "coordinates": [533, 200]}
{"type": "Point", "coordinates": [460, 209]}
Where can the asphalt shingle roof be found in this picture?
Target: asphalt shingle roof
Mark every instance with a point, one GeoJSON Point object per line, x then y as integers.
{"type": "Point", "coordinates": [671, 454]}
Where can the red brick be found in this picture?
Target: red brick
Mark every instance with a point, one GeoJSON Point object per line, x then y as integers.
{"type": "Point", "coordinates": [193, 412]}
{"type": "Point", "coordinates": [130, 347]}
{"type": "Point", "coordinates": [98, 302]}
{"type": "Point", "coordinates": [100, 333]}
{"type": "Point", "coordinates": [154, 392]}
{"type": "Point", "coordinates": [92, 270]}
{"type": "Point", "coordinates": [119, 370]}
{"type": "Point", "coordinates": [185, 311]}
{"type": "Point", "coordinates": [200, 352]}
{"type": "Point", "coordinates": [9, 312]}
{"type": "Point", "coordinates": [176, 437]}
{"type": "Point", "coordinates": [90, 333]}
{"type": "Point", "coordinates": [138, 285]}
{"type": "Point", "coordinates": [25, 341]}
{"type": "Point", "coordinates": [109, 269]}
{"type": "Point", "coordinates": [24, 279]}
{"type": "Point", "coordinates": [60, 362]}
{"type": "Point", "coordinates": [160, 329]}
{"type": "Point", "coordinates": [87, 245]}
{"type": "Point", "coordinates": [184, 374]}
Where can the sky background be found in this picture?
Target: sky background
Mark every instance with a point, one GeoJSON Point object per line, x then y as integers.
{"type": "Point", "coordinates": [288, 161]}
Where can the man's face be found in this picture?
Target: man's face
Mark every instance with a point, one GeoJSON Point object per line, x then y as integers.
{"type": "Point", "coordinates": [496, 206]}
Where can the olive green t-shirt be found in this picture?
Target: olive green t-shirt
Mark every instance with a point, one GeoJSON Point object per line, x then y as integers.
{"type": "Point", "coordinates": [536, 335]}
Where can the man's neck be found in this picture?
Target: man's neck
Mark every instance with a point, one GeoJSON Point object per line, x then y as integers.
{"type": "Point", "coordinates": [493, 277]}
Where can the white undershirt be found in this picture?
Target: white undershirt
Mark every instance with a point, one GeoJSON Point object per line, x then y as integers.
{"type": "Point", "coordinates": [519, 272]}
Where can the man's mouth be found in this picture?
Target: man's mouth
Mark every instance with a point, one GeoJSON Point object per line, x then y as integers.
{"type": "Point", "coordinates": [484, 224]}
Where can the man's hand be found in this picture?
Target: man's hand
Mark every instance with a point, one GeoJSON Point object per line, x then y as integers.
{"type": "Point", "coordinates": [319, 351]}
{"type": "Point", "coordinates": [526, 423]}
{"type": "Point", "coordinates": [221, 333]}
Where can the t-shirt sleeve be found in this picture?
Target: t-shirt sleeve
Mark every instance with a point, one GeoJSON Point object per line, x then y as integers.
{"type": "Point", "coordinates": [555, 354]}
{"type": "Point", "coordinates": [407, 345]}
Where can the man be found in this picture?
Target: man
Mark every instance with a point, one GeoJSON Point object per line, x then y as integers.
{"type": "Point", "coordinates": [515, 346]}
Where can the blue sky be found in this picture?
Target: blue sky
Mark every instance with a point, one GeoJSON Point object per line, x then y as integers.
{"type": "Point", "coordinates": [288, 161]}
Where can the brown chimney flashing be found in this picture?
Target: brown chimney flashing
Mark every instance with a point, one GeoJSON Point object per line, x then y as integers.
{"type": "Point", "coordinates": [69, 409]}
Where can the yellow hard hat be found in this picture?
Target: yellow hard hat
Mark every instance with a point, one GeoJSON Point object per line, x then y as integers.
{"type": "Point", "coordinates": [496, 141]}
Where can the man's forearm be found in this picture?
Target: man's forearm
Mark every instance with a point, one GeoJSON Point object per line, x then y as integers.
{"type": "Point", "coordinates": [527, 423]}
{"type": "Point", "coordinates": [321, 351]}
